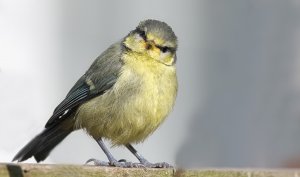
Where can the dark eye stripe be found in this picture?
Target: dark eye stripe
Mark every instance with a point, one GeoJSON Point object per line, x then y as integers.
{"type": "Point", "coordinates": [142, 34]}
{"type": "Point", "coordinates": [165, 49]}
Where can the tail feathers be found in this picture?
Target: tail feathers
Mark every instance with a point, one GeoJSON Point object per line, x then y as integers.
{"type": "Point", "coordinates": [41, 145]}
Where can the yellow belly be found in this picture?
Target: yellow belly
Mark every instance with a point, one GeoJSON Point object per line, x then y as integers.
{"type": "Point", "coordinates": [136, 105]}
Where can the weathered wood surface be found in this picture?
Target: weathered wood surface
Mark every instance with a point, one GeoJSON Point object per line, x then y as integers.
{"type": "Point", "coordinates": [47, 170]}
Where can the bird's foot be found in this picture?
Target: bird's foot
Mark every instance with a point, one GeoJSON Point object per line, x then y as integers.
{"type": "Point", "coordinates": [157, 165]}
{"type": "Point", "coordinates": [121, 163]}
{"type": "Point", "coordinates": [97, 162]}
{"type": "Point", "coordinates": [145, 164]}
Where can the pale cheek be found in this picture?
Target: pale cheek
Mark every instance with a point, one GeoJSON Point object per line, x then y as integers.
{"type": "Point", "coordinates": [136, 43]}
{"type": "Point", "coordinates": [164, 55]}
{"type": "Point", "coordinates": [141, 46]}
{"type": "Point", "coordinates": [167, 58]}
{"type": "Point", "coordinates": [139, 42]}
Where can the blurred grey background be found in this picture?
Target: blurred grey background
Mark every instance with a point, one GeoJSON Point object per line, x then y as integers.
{"type": "Point", "coordinates": [238, 68]}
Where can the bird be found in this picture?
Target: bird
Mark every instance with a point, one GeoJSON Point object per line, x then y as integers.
{"type": "Point", "coordinates": [123, 97]}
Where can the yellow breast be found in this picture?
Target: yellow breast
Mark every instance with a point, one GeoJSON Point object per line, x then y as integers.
{"type": "Point", "coordinates": [137, 104]}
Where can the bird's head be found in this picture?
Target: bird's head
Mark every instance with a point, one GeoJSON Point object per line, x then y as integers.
{"type": "Point", "coordinates": [154, 39]}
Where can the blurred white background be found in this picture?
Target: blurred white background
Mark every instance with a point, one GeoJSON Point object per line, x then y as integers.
{"type": "Point", "coordinates": [238, 69]}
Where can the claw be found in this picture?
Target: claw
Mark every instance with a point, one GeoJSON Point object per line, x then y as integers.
{"type": "Point", "coordinates": [97, 162]}
{"type": "Point", "coordinates": [163, 165]}
{"type": "Point", "coordinates": [122, 160]}
{"type": "Point", "coordinates": [157, 165]}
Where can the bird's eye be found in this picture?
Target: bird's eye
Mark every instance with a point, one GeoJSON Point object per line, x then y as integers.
{"type": "Point", "coordinates": [142, 34]}
{"type": "Point", "coordinates": [164, 49]}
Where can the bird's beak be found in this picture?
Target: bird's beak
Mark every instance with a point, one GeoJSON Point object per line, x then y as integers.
{"type": "Point", "coordinates": [150, 45]}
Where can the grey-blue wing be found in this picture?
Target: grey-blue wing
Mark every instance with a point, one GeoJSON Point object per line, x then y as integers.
{"type": "Point", "coordinates": [69, 103]}
{"type": "Point", "coordinates": [100, 77]}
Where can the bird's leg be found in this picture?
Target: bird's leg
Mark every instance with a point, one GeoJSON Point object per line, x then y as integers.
{"type": "Point", "coordinates": [145, 162]}
{"type": "Point", "coordinates": [112, 160]}
{"type": "Point", "coordinates": [107, 153]}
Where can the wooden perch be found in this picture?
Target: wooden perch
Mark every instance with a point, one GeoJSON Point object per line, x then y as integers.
{"type": "Point", "coordinates": [51, 170]}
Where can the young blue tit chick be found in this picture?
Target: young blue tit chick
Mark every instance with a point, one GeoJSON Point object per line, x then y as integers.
{"type": "Point", "coordinates": [123, 97]}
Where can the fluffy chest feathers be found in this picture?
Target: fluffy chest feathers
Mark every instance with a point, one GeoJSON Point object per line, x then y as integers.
{"type": "Point", "coordinates": [137, 104]}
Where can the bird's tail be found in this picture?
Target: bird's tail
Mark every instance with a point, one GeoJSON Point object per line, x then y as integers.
{"type": "Point", "coordinates": [41, 145]}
